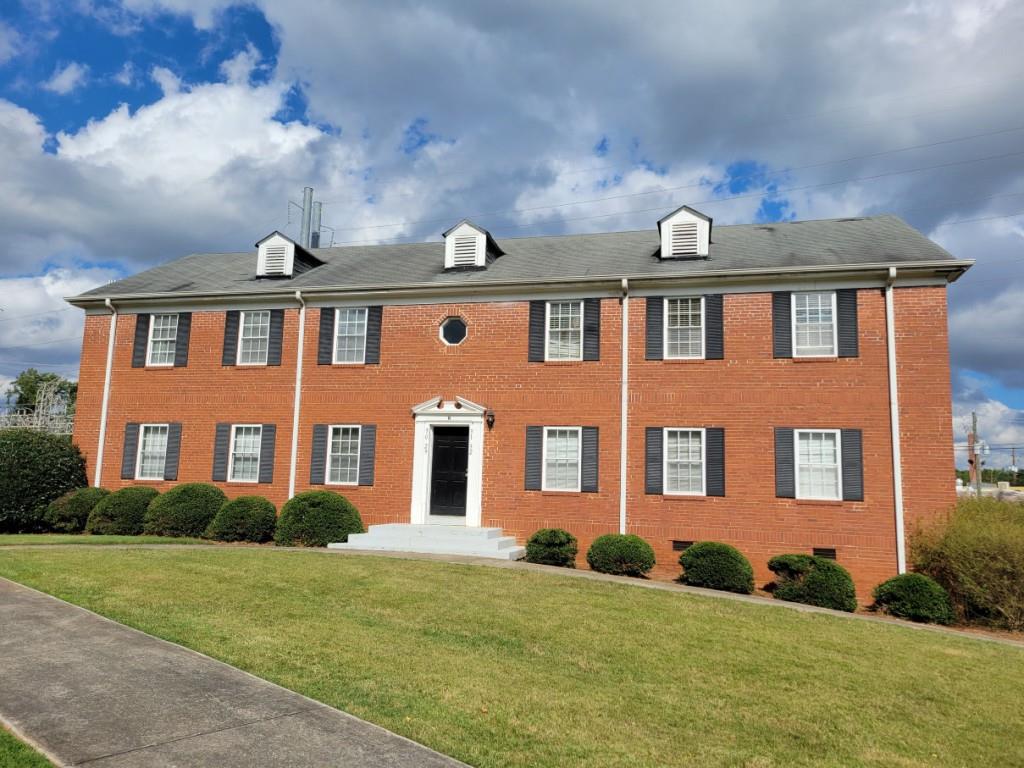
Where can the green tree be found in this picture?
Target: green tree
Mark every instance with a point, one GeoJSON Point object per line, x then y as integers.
{"type": "Point", "coordinates": [24, 390]}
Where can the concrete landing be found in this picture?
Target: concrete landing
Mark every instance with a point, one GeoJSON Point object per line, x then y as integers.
{"type": "Point", "coordinates": [435, 539]}
{"type": "Point", "coordinates": [85, 690]}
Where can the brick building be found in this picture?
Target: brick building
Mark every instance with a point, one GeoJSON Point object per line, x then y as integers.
{"type": "Point", "coordinates": [782, 387]}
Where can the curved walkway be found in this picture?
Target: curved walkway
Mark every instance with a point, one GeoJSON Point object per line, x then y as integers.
{"type": "Point", "coordinates": [85, 690]}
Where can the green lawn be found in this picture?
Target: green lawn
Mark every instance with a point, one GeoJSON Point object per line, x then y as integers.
{"type": "Point", "coordinates": [16, 754]}
{"type": "Point", "coordinates": [513, 668]}
{"type": "Point", "coordinates": [12, 539]}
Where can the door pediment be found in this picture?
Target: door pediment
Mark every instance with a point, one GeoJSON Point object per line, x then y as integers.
{"type": "Point", "coordinates": [439, 406]}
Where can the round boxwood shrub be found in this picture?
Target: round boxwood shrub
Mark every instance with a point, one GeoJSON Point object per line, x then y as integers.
{"type": "Point", "coordinates": [620, 554]}
{"type": "Point", "coordinates": [315, 519]}
{"type": "Point", "coordinates": [69, 513]}
{"type": "Point", "coordinates": [714, 565]}
{"type": "Point", "coordinates": [552, 546]}
{"type": "Point", "coordinates": [247, 518]}
{"type": "Point", "coordinates": [184, 510]}
{"type": "Point", "coordinates": [814, 581]}
{"type": "Point", "coordinates": [35, 468]}
{"type": "Point", "coordinates": [122, 512]}
{"type": "Point", "coordinates": [916, 597]}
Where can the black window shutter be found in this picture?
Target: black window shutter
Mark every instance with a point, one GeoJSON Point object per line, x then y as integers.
{"type": "Point", "coordinates": [591, 329]}
{"type": "Point", "coordinates": [173, 451]}
{"type": "Point", "coordinates": [318, 456]}
{"type": "Point", "coordinates": [230, 355]}
{"type": "Point", "coordinates": [220, 452]}
{"type": "Point", "coordinates": [276, 337]}
{"type": "Point", "coordinates": [181, 340]}
{"type": "Point", "coordinates": [714, 454]}
{"type": "Point", "coordinates": [325, 344]}
{"type": "Point", "coordinates": [131, 451]}
{"type": "Point", "coordinates": [782, 329]}
{"type": "Point", "coordinates": [785, 474]}
{"type": "Point", "coordinates": [853, 465]}
{"type": "Point", "coordinates": [141, 341]}
{"type": "Point", "coordinates": [653, 471]}
{"type": "Point", "coordinates": [714, 336]}
{"type": "Point", "coordinates": [538, 317]}
{"type": "Point", "coordinates": [846, 328]}
{"type": "Point", "coordinates": [588, 472]}
{"type": "Point", "coordinates": [268, 437]}
{"type": "Point", "coordinates": [374, 316]}
{"type": "Point", "coordinates": [655, 328]}
{"type": "Point", "coordinates": [367, 453]}
{"type": "Point", "coordinates": [534, 457]}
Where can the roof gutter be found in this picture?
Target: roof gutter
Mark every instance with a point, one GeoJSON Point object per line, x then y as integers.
{"type": "Point", "coordinates": [953, 268]}
{"type": "Point", "coordinates": [98, 473]}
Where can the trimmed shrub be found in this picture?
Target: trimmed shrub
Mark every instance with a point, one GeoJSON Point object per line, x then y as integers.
{"type": "Point", "coordinates": [69, 513]}
{"type": "Point", "coordinates": [814, 581]}
{"type": "Point", "coordinates": [247, 518]}
{"type": "Point", "coordinates": [620, 554]}
{"type": "Point", "coordinates": [552, 546]}
{"type": "Point", "coordinates": [184, 510]}
{"type": "Point", "coordinates": [714, 565]}
{"type": "Point", "coordinates": [977, 554]}
{"type": "Point", "coordinates": [122, 512]}
{"type": "Point", "coordinates": [35, 469]}
{"type": "Point", "coordinates": [315, 519]}
{"type": "Point", "coordinates": [914, 596]}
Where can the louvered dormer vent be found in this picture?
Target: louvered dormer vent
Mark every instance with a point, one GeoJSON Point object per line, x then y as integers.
{"type": "Point", "coordinates": [684, 239]}
{"type": "Point", "coordinates": [276, 257]}
{"type": "Point", "coordinates": [465, 251]}
{"type": "Point", "coordinates": [275, 260]}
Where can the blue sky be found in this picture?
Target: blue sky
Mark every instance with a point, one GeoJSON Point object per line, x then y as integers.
{"type": "Point", "coordinates": [132, 133]}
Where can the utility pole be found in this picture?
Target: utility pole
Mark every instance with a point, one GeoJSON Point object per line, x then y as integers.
{"type": "Point", "coordinates": [307, 214]}
{"type": "Point", "coordinates": [314, 235]}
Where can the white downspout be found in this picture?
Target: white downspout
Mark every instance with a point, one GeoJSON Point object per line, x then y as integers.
{"type": "Point", "coordinates": [624, 408]}
{"type": "Point", "coordinates": [298, 393]}
{"type": "Point", "coordinates": [894, 418]}
{"type": "Point", "coordinates": [98, 475]}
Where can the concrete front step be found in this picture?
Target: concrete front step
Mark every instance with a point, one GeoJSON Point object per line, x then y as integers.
{"type": "Point", "coordinates": [435, 539]}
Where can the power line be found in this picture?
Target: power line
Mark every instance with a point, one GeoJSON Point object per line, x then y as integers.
{"type": "Point", "coordinates": [41, 343]}
{"type": "Point", "coordinates": [6, 319]}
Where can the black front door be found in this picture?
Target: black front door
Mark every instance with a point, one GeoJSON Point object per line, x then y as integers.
{"type": "Point", "coordinates": [448, 471]}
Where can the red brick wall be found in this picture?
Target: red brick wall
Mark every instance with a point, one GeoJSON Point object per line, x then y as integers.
{"type": "Point", "coordinates": [748, 393]}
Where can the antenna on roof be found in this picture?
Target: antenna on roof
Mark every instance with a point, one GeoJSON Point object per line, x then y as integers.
{"type": "Point", "coordinates": [307, 214]}
{"type": "Point", "coordinates": [314, 234]}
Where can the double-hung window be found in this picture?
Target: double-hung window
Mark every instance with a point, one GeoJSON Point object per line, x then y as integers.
{"type": "Point", "coordinates": [818, 464]}
{"type": "Point", "coordinates": [564, 340]}
{"type": "Point", "coordinates": [561, 464]}
{"type": "Point", "coordinates": [350, 335]}
{"type": "Point", "coordinates": [814, 324]}
{"type": "Point", "coordinates": [254, 339]}
{"type": "Point", "coordinates": [684, 328]}
{"type": "Point", "coordinates": [684, 461]}
{"type": "Point", "coordinates": [343, 456]}
{"type": "Point", "coordinates": [152, 452]}
{"type": "Point", "coordinates": [163, 333]}
{"type": "Point", "coordinates": [244, 461]}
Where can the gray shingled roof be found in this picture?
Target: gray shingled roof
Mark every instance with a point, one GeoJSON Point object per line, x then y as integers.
{"type": "Point", "coordinates": [868, 240]}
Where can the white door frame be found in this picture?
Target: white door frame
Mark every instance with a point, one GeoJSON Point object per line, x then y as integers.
{"type": "Point", "coordinates": [447, 413]}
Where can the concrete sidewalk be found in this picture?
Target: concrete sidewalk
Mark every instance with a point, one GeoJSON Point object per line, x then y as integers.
{"type": "Point", "coordinates": [88, 691]}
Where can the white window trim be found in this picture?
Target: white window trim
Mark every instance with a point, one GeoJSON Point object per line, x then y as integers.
{"type": "Point", "coordinates": [547, 331]}
{"type": "Point", "coordinates": [238, 351]}
{"type": "Point", "coordinates": [359, 452]}
{"type": "Point", "coordinates": [440, 330]}
{"type": "Point", "coordinates": [149, 342]}
{"type": "Point", "coordinates": [579, 461]}
{"type": "Point", "coordinates": [792, 324]}
{"type": "Point", "coordinates": [664, 331]}
{"type": "Point", "coordinates": [334, 338]}
{"type": "Point", "coordinates": [703, 461]}
{"type": "Point", "coordinates": [138, 452]}
{"type": "Point", "coordinates": [796, 463]}
{"type": "Point", "coordinates": [231, 455]}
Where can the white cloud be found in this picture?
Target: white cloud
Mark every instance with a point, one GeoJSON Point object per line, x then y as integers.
{"type": "Point", "coordinates": [168, 81]}
{"type": "Point", "coordinates": [10, 43]}
{"type": "Point", "coordinates": [126, 75]}
{"type": "Point", "coordinates": [239, 68]}
{"type": "Point", "coordinates": [67, 78]}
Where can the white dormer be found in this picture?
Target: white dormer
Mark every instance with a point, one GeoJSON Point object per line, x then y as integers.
{"type": "Point", "coordinates": [685, 234]}
{"type": "Point", "coordinates": [465, 245]}
{"type": "Point", "coordinates": [275, 256]}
